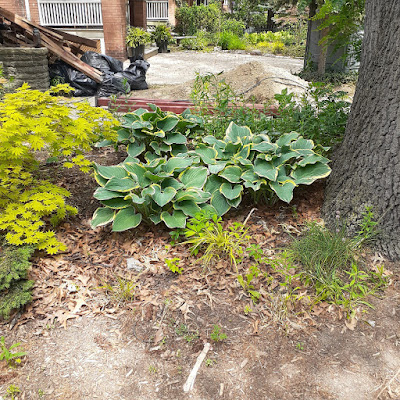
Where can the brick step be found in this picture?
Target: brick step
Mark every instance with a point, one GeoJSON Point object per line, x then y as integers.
{"type": "Point", "coordinates": [123, 104]}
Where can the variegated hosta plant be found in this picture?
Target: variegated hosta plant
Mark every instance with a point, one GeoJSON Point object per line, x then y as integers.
{"type": "Point", "coordinates": [156, 133]}
{"type": "Point", "coordinates": [246, 161]}
{"type": "Point", "coordinates": [159, 190]}
{"type": "Point", "coordinates": [213, 176]}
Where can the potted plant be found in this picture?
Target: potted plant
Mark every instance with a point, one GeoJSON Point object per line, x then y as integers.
{"type": "Point", "coordinates": [136, 39]}
{"type": "Point", "coordinates": [162, 36]}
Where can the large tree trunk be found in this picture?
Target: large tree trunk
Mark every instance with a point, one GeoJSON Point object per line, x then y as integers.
{"type": "Point", "coordinates": [366, 167]}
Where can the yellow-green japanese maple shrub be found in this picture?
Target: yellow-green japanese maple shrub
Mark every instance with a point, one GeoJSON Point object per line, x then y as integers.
{"type": "Point", "coordinates": [30, 122]}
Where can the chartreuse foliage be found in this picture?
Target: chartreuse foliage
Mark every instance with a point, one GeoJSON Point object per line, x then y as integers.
{"type": "Point", "coordinates": [15, 288]}
{"type": "Point", "coordinates": [156, 133]}
{"type": "Point", "coordinates": [211, 177]}
{"type": "Point", "coordinates": [33, 121]}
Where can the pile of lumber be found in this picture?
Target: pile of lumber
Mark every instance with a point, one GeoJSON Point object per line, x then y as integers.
{"type": "Point", "coordinates": [16, 31]}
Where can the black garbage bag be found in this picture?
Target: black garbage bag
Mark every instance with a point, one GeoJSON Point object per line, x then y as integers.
{"type": "Point", "coordinates": [102, 62]}
{"type": "Point", "coordinates": [113, 84]}
{"type": "Point", "coordinates": [83, 85]}
{"type": "Point", "coordinates": [136, 74]}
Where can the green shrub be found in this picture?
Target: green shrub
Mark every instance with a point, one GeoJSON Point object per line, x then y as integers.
{"type": "Point", "coordinates": [190, 20]}
{"type": "Point", "coordinates": [33, 122]}
{"type": "Point", "coordinates": [233, 26]}
{"type": "Point", "coordinates": [320, 115]}
{"type": "Point", "coordinates": [15, 288]}
{"type": "Point", "coordinates": [231, 41]}
{"type": "Point", "coordinates": [200, 42]}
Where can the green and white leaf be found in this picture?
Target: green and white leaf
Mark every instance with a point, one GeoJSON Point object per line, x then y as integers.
{"type": "Point", "coordinates": [194, 177]}
{"type": "Point", "coordinates": [231, 192]}
{"type": "Point", "coordinates": [102, 216]}
{"type": "Point", "coordinates": [176, 220]}
{"type": "Point", "coordinates": [126, 219]}
{"type": "Point", "coordinates": [310, 173]}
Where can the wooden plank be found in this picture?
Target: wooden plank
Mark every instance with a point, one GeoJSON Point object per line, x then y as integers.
{"type": "Point", "coordinates": [74, 38]}
{"type": "Point", "coordinates": [54, 43]}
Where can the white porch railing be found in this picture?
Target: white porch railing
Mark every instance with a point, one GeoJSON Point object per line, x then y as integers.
{"type": "Point", "coordinates": [70, 13]}
{"type": "Point", "coordinates": [157, 10]}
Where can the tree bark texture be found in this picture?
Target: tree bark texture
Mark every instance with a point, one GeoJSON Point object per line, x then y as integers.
{"type": "Point", "coordinates": [366, 167]}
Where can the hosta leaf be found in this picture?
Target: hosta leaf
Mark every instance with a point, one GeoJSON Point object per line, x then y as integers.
{"type": "Point", "coordinates": [177, 149]}
{"type": "Point", "coordinates": [135, 198]}
{"type": "Point", "coordinates": [149, 191]}
{"type": "Point", "coordinates": [138, 171]}
{"type": "Point", "coordinates": [212, 140]}
{"type": "Point", "coordinates": [100, 180]}
{"type": "Point", "coordinates": [265, 169]}
{"type": "Point", "coordinates": [121, 185]}
{"type": "Point", "coordinates": [196, 195]}
{"type": "Point", "coordinates": [104, 143]}
{"type": "Point", "coordinates": [110, 172]}
{"type": "Point", "coordinates": [287, 138]}
{"type": "Point", "coordinates": [207, 154]}
{"type": "Point", "coordinates": [231, 174]}
{"type": "Point", "coordinates": [231, 192]}
{"type": "Point", "coordinates": [213, 183]}
{"type": "Point", "coordinates": [171, 182]}
{"type": "Point", "coordinates": [124, 134]}
{"type": "Point", "coordinates": [102, 216]}
{"type": "Point", "coordinates": [175, 138]}
{"type": "Point", "coordinates": [167, 123]}
{"type": "Point", "coordinates": [116, 203]}
{"type": "Point", "coordinates": [220, 204]}
{"type": "Point", "coordinates": [194, 177]}
{"type": "Point", "coordinates": [310, 173]}
{"type": "Point", "coordinates": [255, 185]}
{"type": "Point", "coordinates": [243, 161]}
{"type": "Point", "coordinates": [285, 156]}
{"type": "Point", "coordinates": [283, 190]}
{"type": "Point", "coordinates": [160, 147]}
{"type": "Point", "coordinates": [231, 149]}
{"type": "Point", "coordinates": [177, 164]}
{"type": "Point", "coordinates": [155, 218]}
{"type": "Point", "coordinates": [217, 167]}
{"type": "Point", "coordinates": [244, 152]}
{"type": "Point", "coordinates": [104, 194]}
{"type": "Point", "coordinates": [302, 144]}
{"type": "Point", "coordinates": [189, 207]}
{"type": "Point", "coordinates": [156, 177]}
{"type": "Point", "coordinates": [235, 202]}
{"type": "Point", "coordinates": [126, 219]}
{"type": "Point", "coordinates": [236, 133]}
{"type": "Point", "coordinates": [163, 197]}
{"type": "Point", "coordinates": [135, 149]}
{"type": "Point", "coordinates": [265, 147]}
{"type": "Point", "coordinates": [176, 220]}
{"type": "Point", "coordinates": [312, 159]}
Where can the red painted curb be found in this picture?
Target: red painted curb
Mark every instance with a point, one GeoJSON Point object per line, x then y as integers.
{"type": "Point", "coordinates": [122, 104]}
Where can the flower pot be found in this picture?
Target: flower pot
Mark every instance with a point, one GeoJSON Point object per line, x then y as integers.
{"type": "Point", "coordinates": [137, 51]}
{"type": "Point", "coordinates": [162, 46]}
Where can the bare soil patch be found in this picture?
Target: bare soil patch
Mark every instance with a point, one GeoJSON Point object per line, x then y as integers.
{"type": "Point", "coordinates": [83, 345]}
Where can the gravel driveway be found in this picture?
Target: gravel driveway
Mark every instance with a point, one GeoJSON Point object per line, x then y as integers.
{"type": "Point", "coordinates": [180, 67]}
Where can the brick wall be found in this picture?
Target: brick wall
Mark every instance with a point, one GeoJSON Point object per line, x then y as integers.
{"type": "Point", "coordinates": [171, 12]}
{"type": "Point", "coordinates": [139, 13]}
{"type": "Point", "coordinates": [114, 26]}
{"type": "Point", "coordinates": [15, 6]}
{"type": "Point", "coordinates": [18, 7]}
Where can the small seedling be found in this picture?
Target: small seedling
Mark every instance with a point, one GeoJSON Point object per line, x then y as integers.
{"type": "Point", "coordinates": [300, 346]}
{"type": "Point", "coordinates": [247, 310]}
{"type": "Point", "coordinates": [121, 291]}
{"type": "Point", "coordinates": [12, 390]}
{"type": "Point", "coordinates": [173, 265]}
{"type": "Point", "coordinates": [41, 393]}
{"type": "Point", "coordinates": [217, 335]}
{"type": "Point", "coordinates": [152, 369]}
{"type": "Point", "coordinates": [6, 354]}
{"type": "Point", "coordinates": [209, 362]}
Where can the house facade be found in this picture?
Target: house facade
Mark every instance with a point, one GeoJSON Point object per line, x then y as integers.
{"type": "Point", "coordinates": [106, 20]}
